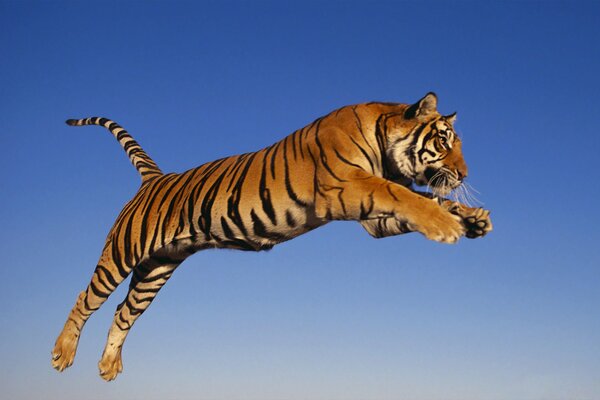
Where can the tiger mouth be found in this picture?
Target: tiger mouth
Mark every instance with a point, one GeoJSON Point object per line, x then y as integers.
{"type": "Point", "coordinates": [440, 181]}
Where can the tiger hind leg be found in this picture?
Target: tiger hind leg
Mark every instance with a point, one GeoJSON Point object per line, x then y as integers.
{"type": "Point", "coordinates": [107, 276]}
{"type": "Point", "coordinates": [146, 281]}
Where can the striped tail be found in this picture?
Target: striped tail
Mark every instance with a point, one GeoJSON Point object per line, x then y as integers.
{"type": "Point", "coordinates": [138, 157]}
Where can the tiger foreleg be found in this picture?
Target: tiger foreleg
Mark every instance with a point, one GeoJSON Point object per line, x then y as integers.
{"type": "Point", "coordinates": [384, 227]}
{"type": "Point", "coordinates": [147, 280]}
{"type": "Point", "coordinates": [372, 198]}
{"type": "Point", "coordinates": [476, 221]}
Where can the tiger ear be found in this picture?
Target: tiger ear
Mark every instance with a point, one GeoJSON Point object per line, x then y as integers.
{"type": "Point", "coordinates": [425, 106]}
{"type": "Point", "coordinates": [451, 118]}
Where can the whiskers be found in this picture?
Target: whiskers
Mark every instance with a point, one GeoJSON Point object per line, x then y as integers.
{"type": "Point", "coordinates": [442, 183]}
{"type": "Point", "coordinates": [439, 183]}
{"type": "Point", "coordinates": [463, 193]}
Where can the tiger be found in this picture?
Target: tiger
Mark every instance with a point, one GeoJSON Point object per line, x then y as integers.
{"type": "Point", "coordinates": [358, 163]}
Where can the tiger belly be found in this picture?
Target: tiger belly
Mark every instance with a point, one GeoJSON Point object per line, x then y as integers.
{"type": "Point", "coordinates": [252, 230]}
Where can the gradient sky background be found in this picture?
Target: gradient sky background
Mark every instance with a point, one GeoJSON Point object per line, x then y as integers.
{"type": "Point", "coordinates": [333, 314]}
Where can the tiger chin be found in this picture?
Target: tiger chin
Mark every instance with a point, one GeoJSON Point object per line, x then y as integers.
{"type": "Point", "coordinates": [357, 163]}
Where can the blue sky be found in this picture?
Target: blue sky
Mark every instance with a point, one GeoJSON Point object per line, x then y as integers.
{"type": "Point", "coordinates": [333, 314]}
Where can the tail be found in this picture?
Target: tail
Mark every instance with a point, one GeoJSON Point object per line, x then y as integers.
{"type": "Point", "coordinates": [138, 157]}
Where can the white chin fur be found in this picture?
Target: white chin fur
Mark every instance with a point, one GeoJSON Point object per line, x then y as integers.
{"type": "Point", "coordinates": [442, 192]}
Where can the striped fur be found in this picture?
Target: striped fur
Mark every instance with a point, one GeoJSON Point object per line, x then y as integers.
{"type": "Point", "coordinates": [357, 163]}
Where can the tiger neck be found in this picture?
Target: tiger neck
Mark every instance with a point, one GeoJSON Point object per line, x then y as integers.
{"type": "Point", "coordinates": [392, 173]}
{"type": "Point", "coordinates": [400, 179]}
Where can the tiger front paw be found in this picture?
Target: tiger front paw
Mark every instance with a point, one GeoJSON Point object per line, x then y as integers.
{"type": "Point", "coordinates": [477, 223]}
{"type": "Point", "coordinates": [439, 225]}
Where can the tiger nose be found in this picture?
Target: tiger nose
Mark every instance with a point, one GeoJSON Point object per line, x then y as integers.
{"type": "Point", "coordinates": [462, 174]}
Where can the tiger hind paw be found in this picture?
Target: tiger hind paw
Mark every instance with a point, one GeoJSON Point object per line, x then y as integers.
{"type": "Point", "coordinates": [64, 351]}
{"type": "Point", "coordinates": [110, 365]}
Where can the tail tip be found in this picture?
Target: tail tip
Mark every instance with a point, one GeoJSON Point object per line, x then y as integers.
{"type": "Point", "coordinates": [71, 122]}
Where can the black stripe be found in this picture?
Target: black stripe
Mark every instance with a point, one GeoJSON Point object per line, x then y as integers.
{"type": "Point", "coordinates": [233, 170]}
{"type": "Point", "coordinates": [98, 292]}
{"type": "Point", "coordinates": [108, 275]}
{"type": "Point", "coordinates": [390, 192]}
{"type": "Point", "coordinates": [365, 212]}
{"type": "Point", "coordinates": [132, 309]}
{"type": "Point", "coordinates": [260, 229]}
{"type": "Point", "coordinates": [293, 144]}
{"type": "Point", "coordinates": [363, 151]}
{"type": "Point", "coordinates": [323, 157]}
{"type": "Point", "coordinates": [346, 161]}
{"type": "Point", "coordinates": [362, 133]}
{"type": "Point", "coordinates": [265, 194]}
{"type": "Point", "coordinates": [105, 284]}
{"type": "Point", "coordinates": [381, 144]}
{"type": "Point", "coordinates": [129, 144]}
{"type": "Point", "coordinates": [163, 275]}
{"type": "Point", "coordinates": [116, 259]}
{"type": "Point", "coordinates": [194, 193]}
{"type": "Point", "coordinates": [289, 219]}
{"type": "Point", "coordinates": [239, 244]}
{"type": "Point", "coordinates": [298, 134]}
{"type": "Point", "coordinates": [128, 325]}
{"type": "Point", "coordinates": [122, 134]}
{"type": "Point", "coordinates": [146, 210]}
{"type": "Point", "coordinates": [147, 299]}
{"type": "Point", "coordinates": [425, 142]}
{"type": "Point", "coordinates": [273, 159]}
{"type": "Point", "coordinates": [226, 229]}
{"type": "Point", "coordinates": [417, 133]}
{"type": "Point", "coordinates": [233, 202]}
{"type": "Point", "coordinates": [86, 304]}
{"type": "Point", "coordinates": [156, 234]}
{"type": "Point", "coordinates": [288, 183]}
{"type": "Point", "coordinates": [147, 290]}
{"type": "Point", "coordinates": [206, 207]}
{"type": "Point", "coordinates": [166, 217]}
{"type": "Point", "coordinates": [204, 219]}
{"type": "Point", "coordinates": [341, 200]}
{"type": "Point", "coordinates": [316, 186]}
{"type": "Point", "coordinates": [166, 260]}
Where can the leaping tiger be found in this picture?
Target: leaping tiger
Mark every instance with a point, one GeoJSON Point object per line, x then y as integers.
{"type": "Point", "coordinates": [357, 163]}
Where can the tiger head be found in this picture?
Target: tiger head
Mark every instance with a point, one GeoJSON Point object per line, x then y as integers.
{"type": "Point", "coordinates": [423, 147]}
